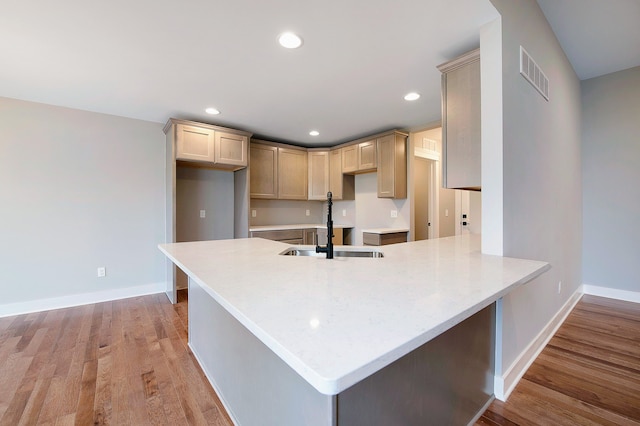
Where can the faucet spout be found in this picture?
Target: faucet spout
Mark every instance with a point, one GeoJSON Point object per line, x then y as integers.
{"type": "Point", "coordinates": [329, 247]}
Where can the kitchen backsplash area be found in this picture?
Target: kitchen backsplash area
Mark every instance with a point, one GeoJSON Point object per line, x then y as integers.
{"type": "Point", "coordinates": [366, 211]}
{"type": "Point", "coordinates": [369, 211]}
{"type": "Point", "coordinates": [286, 212]}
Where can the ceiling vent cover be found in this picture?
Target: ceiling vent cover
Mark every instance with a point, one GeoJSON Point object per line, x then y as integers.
{"type": "Point", "coordinates": [534, 75]}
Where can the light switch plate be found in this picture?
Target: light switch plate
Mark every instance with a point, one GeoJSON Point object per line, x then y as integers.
{"type": "Point", "coordinates": [394, 213]}
{"type": "Point", "coordinates": [253, 213]}
{"type": "Point", "coordinates": [202, 213]}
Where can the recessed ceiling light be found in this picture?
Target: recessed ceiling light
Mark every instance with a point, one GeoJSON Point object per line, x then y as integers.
{"type": "Point", "coordinates": [290, 40]}
{"type": "Point", "coordinates": [314, 133]}
{"type": "Point", "coordinates": [212, 111]}
{"type": "Point", "coordinates": [411, 96]}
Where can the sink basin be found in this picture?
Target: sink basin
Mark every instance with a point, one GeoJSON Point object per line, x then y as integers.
{"type": "Point", "coordinates": [295, 251]}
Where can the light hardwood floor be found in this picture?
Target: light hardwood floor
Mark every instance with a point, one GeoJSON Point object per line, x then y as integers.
{"type": "Point", "coordinates": [588, 374]}
{"type": "Point", "coordinates": [127, 362]}
{"type": "Point", "coordinates": [124, 362]}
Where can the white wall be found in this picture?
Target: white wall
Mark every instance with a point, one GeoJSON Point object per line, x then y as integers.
{"type": "Point", "coordinates": [79, 190]}
{"type": "Point", "coordinates": [287, 212]}
{"type": "Point", "coordinates": [611, 179]}
{"type": "Point", "coordinates": [542, 194]}
{"type": "Point", "coordinates": [369, 211]}
{"type": "Point", "coordinates": [198, 188]}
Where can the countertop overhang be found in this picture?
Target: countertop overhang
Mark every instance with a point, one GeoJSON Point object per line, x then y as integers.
{"type": "Point", "coordinates": [336, 322]}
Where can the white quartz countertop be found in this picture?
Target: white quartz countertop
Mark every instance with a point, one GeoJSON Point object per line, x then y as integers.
{"type": "Point", "coordinates": [336, 322]}
{"type": "Point", "coordinates": [384, 230]}
{"type": "Point", "coordinates": [295, 226]}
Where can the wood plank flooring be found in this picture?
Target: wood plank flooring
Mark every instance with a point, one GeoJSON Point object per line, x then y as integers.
{"type": "Point", "coordinates": [588, 374]}
{"type": "Point", "coordinates": [124, 362]}
{"type": "Point", "coordinates": [127, 362]}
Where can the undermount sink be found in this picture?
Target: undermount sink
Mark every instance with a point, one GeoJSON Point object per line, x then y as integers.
{"type": "Point", "coordinates": [297, 251]}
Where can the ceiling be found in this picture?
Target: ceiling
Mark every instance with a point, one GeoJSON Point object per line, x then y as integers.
{"type": "Point", "coordinates": [598, 36]}
{"type": "Point", "coordinates": [156, 59]}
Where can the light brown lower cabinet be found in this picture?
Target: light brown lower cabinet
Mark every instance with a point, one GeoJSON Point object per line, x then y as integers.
{"type": "Point", "coordinates": [289, 236]}
{"type": "Point", "coordinates": [375, 239]}
{"type": "Point", "coordinates": [338, 236]}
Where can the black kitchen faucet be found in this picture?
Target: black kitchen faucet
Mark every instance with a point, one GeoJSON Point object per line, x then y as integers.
{"type": "Point", "coordinates": [329, 248]}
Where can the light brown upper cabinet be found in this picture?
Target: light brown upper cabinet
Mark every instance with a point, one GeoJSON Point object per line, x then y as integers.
{"type": "Point", "coordinates": [461, 122]}
{"type": "Point", "coordinates": [278, 172]}
{"type": "Point", "coordinates": [392, 166]}
{"type": "Point", "coordinates": [360, 157]}
{"type": "Point", "coordinates": [318, 163]}
{"type": "Point", "coordinates": [292, 174]}
{"type": "Point", "coordinates": [209, 145]}
{"type": "Point", "coordinates": [367, 155]}
{"type": "Point", "coordinates": [342, 186]}
{"type": "Point", "coordinates": [264, 171]}
{"type": "Point", "coordinates": [231, 149]}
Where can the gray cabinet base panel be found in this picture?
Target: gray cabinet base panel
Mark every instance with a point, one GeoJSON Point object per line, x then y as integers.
{"type": "Point", "coordinates": [446, 381]}
{"type": "Point", "coordinates": [255, 385]}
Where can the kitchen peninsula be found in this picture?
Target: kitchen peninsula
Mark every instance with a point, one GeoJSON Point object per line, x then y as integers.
{"type": "Point", "coordinates": [302, 340]}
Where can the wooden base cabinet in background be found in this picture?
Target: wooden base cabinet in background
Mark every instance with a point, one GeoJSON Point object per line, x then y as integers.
{"type": "Point", "coordinates": [382, 239]}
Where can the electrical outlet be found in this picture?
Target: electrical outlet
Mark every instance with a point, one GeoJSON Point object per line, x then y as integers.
{"type": "Point", "coordinates": [559, 287]}
{"type": "Point", "coordinates": [202, 214]}
{"type": "Point", "coordinates": [344, 212]}
{"type": "Point", "coordinates": [308, 213]}
{"type": "Point", "coordinates": [394, 213]}
{"type": "Point", "coordinates": [102, 271]}
{"type": "Point", "coordinates": [446, 212]}
{"type": "Point", "coordinates": [254, 213]}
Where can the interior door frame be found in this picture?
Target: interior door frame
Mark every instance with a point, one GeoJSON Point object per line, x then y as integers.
{"type": "Point", "coordinates": [417, 149]}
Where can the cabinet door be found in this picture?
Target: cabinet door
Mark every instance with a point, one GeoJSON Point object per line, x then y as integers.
{"type": "Point", "coordinates": [264, 171]}
{"type": "Point", "coordinates": [461, 126]}
{"type": "Point", "coordinates": [335, 174]}
{"type": "Point", "coordinates": [194, 143]}
{"type": "Point", "coordinates": [309, 236]}
{"type": "Point", "coordinates": [392, 167]}
{"type": "Point", "coordinates": [292, 174]}
{"type": "Point", "coordinates": [367, 155]}
{"type": "Point", "coordinates": [230, 149]}
{"type": "Point", "coordinates": [341, 186]}
{"type": "Point", "coordinates": [318, 175]}
{"type": "Point", "coordinates": [350, 159]}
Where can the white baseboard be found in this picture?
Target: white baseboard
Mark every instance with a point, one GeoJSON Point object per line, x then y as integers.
{"type": "Point", "coordinates": [504, 385]}
{"type": "Point", "coordinates": [79, 299]}
{"type": "Point", "coordinates": [611, 293]}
